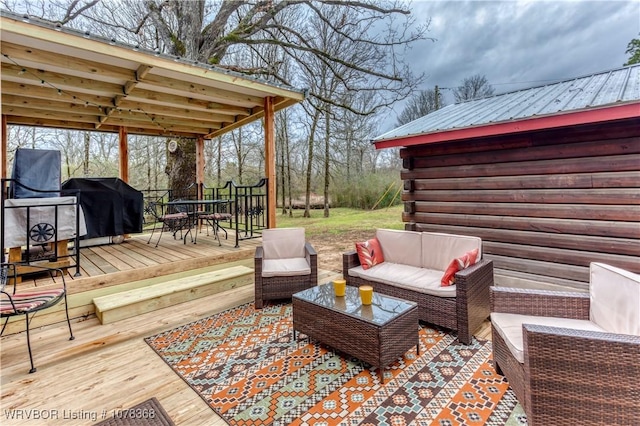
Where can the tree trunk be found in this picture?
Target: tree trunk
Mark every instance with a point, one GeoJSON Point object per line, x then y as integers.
{"type": "Point", "coordinates": [314, 125]}
{"type": "Point", "coordinates": [327, 124]}
{"type": "Point", "coordinates": [283, 136]}
{"type": "Point", "coordinates": [181, 166]}
{"type": "Point", "coordinates": [288, 159]}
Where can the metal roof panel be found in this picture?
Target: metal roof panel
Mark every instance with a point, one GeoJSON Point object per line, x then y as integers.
{"type": "Point", "coordinates": [603, 89]}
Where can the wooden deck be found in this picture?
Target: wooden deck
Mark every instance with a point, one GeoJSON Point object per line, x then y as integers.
{"type": "Point", "coordinates": [109, 367]}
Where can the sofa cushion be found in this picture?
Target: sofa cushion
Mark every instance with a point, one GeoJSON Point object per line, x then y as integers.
{"type": "Point", "coordinates": [405, 276]}
{"type": "Point", "coordinates": [283, 243]}
{"type": "Point", "coordinates": [438, 249]}
{"type": "Point", "coordinates": [369, 253]}
{"type": "Point", "coordinates": [285, 267]}
{"type": "Point", "coordinates": [458, 264]}
{"type": "Point", "coordinates": [401, 246]}
{"type": "Point", "coordinates": [615, 299]}
{"type": "Point", "coordinates": [509, 327]}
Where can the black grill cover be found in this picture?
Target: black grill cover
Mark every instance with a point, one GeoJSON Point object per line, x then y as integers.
{"type": "Point", "coordinates": [111, 206]}
{"type": "Point", "coordinates": [38, 169]}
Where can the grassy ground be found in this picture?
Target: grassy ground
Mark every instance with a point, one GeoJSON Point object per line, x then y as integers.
{"type": "Point", "coordinates": [331, 236]}
{"type": "Point", "coordinates": [342, 220]}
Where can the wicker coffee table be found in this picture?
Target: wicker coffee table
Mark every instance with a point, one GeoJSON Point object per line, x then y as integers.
{"type": "Point", "coordinates": [377, 334]}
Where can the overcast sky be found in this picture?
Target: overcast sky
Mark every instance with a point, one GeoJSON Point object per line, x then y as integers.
{"type": "Point", "coordinates": [519, 44]}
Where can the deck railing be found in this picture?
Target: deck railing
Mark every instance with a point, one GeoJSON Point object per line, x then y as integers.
{"type": "Point", "coordinates": [247, 205]}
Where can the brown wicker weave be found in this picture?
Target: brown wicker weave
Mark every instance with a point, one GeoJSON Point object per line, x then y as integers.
{"type": "Point", "coordinates": [378, 345]}
{"type": "Point", "coordinates": [464, 313]}
{"type": "Point", "coordinates": [569, 377]}
{"type": "Point", "coordinates": [273, 288]}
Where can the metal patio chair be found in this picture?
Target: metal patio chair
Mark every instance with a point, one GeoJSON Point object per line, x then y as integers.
{"type": "Point", "coordinates": [172, 222]}
{"type": "Point", "coordinates": [29, 301]}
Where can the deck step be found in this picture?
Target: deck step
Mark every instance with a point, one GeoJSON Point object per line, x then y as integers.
{"type": "Point", "coordinates": [127, 304]}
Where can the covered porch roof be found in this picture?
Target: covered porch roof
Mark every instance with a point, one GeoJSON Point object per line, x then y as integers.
{"type": "Point", "coordinates": [62, 78]}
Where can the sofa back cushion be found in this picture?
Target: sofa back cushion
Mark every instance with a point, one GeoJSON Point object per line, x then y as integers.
{"type": "Point", "coordinates": [283, 243]}
{"type": "Point", "coordinates": [615, 299]}
{"type": "Point", "coordinates": [400, 246]}
{"type": "Point", "coordinates": [438, 250]}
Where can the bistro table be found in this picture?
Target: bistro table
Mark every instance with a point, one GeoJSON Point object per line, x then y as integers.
{"type": "Point", "coordinates": [194, 209]}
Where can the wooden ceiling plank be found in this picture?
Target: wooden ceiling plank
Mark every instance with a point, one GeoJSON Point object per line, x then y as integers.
{"type": "Point", "coordinates": [30, 91]}
{"type": "Point", "coordinates": [184, 113]}
{"type": "Point", "coordinates": [58, 81]}
{"type": "Point", "coordinates": [75, 65]}
{"type": "Point", "coordinates": [168, 99]}
{"type": "Point", "coordinates": [224, 96]}
{"type": "Point", "coordinates": [51, 115]}
{"type": "Point", "coordinates": [26, 121]}
{"type": "Point", "coordinates": [9, 100]}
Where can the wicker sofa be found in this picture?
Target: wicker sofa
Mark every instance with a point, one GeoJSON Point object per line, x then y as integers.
{"type": "Point", "coordinates": [572, 358]}
{"type": "Point", "coordinates": [414, 263]}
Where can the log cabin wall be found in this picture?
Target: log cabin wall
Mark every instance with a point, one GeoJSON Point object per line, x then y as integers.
{"type": "Point", "coordinates": [545, 204]}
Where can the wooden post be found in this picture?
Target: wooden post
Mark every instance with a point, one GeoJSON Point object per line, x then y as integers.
{"type": "Point", "coordinates": [270, 159]}
{"type": "Point", "coordinates": [124, 154]}
{"type": "Point", "coordinates": [200, 166]}
{"type": "Point", "coordinates": [3, 152]}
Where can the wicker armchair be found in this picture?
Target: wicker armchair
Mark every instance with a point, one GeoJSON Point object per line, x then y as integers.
{"type": "Point", "coordinates": [572, 358]}
{"type": "Point", "coordinates": [285, 264]}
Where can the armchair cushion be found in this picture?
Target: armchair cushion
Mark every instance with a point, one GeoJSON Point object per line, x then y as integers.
{"type": "Point", "coordinates": [509, 327]}
{"type": "Point", "coordinates": [283, 243]}
{"type": "Point", "coordinates": [615, 299]}
{"type": "Point", "coordinates": [285, 267]}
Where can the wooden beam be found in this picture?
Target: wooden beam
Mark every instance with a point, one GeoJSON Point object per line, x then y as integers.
{"type": "Point", "coordinates": [124, 154]}
{"type": "Point", "coordinates": [270, 160]}
{"type": "Point", "coordinates": [200, 165]}
{"type": "Point", "coordinates": [3, 151]}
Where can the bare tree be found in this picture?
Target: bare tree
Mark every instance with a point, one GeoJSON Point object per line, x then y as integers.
{"type": "Point", "coordinates": [473, 87]}
{"type": "Point", "coordinates": [421, 104]}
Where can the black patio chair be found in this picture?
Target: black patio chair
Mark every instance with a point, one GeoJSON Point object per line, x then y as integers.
{"type": "Point", "coordinates": [29, 301]}
{"type": "Point", "coordinates": [172, 222]}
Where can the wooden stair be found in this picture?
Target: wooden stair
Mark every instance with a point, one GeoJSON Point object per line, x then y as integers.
{"type": "Point", "coordinates": [129, 303]}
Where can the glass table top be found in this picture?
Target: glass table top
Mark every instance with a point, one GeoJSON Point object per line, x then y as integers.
{"type": "Point", "coordinates": [382, 309]}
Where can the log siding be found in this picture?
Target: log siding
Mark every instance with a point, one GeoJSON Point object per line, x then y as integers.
{"type": "Point", "coordinates": [545, 203]}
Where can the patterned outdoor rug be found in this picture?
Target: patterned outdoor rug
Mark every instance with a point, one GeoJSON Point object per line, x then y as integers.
{"type": "Point", "coordinates": [246, 366]}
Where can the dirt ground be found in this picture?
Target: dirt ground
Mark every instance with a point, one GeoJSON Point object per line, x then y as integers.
{"type": "Point", "coordinates": [330, 248]}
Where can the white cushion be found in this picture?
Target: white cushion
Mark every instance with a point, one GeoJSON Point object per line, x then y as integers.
{"type": "Point", "coordinates": [615, 299]}
{"type": "Point", "coordinates": [283, 243]}
{"type": "Point", "coordinates": [509, 327]}
{"type": "Point", "coordinates": [400, 246]}
{"type": "Point", "coordinates": [405, 276]}
{"type": "Point", "coordinates": [285, 267]}
{"type": "Point", "coordinates": [438, 250]}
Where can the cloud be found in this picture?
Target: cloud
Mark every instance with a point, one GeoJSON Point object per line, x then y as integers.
{"type": "Point", "coordinates": [519, 44]}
